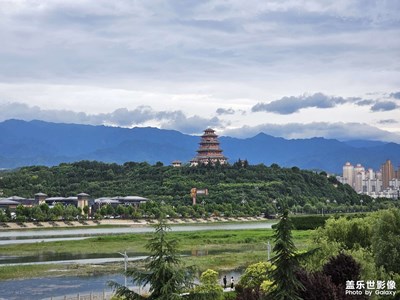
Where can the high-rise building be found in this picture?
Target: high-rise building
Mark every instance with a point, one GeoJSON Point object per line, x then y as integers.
{"type": "Point", "coordinates": [209, 150]}
{"type": "Point", "coordinates": [371, 174]}
{"type": "Point", "coordinates": [348, 174]}
{"type": "Point", "coordinates": [387, 173]}
{"type": "Point", "coordinates": [358, 177]}
{"type": "Point", "coordinates": [383, 183]}
{"type": "Point", "coordinates": [358, 182]}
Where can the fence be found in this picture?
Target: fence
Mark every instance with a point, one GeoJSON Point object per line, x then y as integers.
{"type": "Point", "coordinates": [92, 296]}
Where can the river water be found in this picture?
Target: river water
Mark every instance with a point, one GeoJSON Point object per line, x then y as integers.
{"type": "Point", "coordinates": [36, 236]}
{"type": "Point", "coordinates": [45, 288]}
{"type": "Point", "coordinates": [58, 287]}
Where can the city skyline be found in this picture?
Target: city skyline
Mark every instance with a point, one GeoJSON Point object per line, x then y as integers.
{"type": "Point", "coordinates": [384, 182]}
{"type": "Point", "coordinates": [289, 69]}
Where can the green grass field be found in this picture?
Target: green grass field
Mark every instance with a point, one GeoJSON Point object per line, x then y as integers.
{"type": "Point", "coordinates": [218, 249]}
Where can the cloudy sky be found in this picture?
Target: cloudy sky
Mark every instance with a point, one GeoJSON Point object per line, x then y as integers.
{"type": "Point", "coordinates": [287, 68]}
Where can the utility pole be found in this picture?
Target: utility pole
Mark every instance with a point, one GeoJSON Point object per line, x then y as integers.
{"type": "Point", "coordinates": [125, 263]}
{"type": "Point", "coordinates": [268, 250]}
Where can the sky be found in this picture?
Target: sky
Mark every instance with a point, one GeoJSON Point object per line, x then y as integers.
{"type": "Point", "coordinates": [293, 69]}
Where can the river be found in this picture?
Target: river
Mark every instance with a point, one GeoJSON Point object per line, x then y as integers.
{"type": "Point", "coordinates": [36, 236]}
{"type": "Point", "coordinates": [46, 288]}
{"type": "Point", "coordinates": [58, 287]}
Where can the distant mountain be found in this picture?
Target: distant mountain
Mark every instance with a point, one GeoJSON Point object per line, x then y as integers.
{"type": "Point", "coordinates": [41, 143]}
{"type": "Point", "coordinates": [364, 144]}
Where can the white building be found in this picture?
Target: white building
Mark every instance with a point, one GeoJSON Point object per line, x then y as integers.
{"type": "Point", "coordinates": [368, 182]}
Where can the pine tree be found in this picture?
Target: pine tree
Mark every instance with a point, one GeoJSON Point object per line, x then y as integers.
{"type": "Point", "coordinates": [286, 285]}
{"type": "Point", "coordinates": [163, 271]}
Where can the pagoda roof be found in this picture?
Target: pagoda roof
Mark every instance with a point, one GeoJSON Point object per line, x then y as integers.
{"type": "Point", "coordinates": [211, 156]}
{"type": "Point", "coordinates": [209, 142]}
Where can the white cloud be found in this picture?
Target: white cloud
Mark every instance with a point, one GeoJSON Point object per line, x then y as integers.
{"type": "Point", "coordinates": [339, 130]}
{"type": "Point", "coordinates": [121, 117]}
{"type": "Point", "coordinates": [96, 57]}
{"type": "Point", "coordinates": [289, 105]}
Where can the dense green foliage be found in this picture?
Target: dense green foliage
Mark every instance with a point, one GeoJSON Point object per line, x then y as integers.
{"type": "Point", "coordinates": [238, 189]}
{"type": "Point", "coordinates": [330, 283]}
{"type": "Point", "coordinates": [372, 240]}
{"type": "Point", "coordinates": [308, 222]}
{"type": "Point", "coordinates": [255, 277]}
{"type": "Point", "coordinates": [386, 241]}
{"type": "Point", "coordinates": [208, 288]}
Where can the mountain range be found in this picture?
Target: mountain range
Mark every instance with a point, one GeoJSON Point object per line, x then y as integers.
{"type": "Point", "coordinates": [42, 143]}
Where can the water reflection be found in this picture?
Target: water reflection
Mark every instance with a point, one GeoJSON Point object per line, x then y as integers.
{"type": "Point", "coordinates": [47, 288]}
{"type": "Point", "coordinates": [56, 257]}
{"type": "Point", "coordinates": [93, 258]}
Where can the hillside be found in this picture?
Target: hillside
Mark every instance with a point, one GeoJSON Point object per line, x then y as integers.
{"type": "Point", "coordinates": [236, 187]}
{"type": "Point", "coordinates": [42, 143]}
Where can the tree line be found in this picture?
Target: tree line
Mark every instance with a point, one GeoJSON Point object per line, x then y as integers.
{"type": "Point", "coordinates": [234, 190]}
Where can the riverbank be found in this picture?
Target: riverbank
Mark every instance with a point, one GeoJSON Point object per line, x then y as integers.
{"type": "Point", "coordinates": [120, 222]}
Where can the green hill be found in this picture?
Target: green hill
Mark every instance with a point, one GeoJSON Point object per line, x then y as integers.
{"type": "Point", "coordinates": [233, 190]}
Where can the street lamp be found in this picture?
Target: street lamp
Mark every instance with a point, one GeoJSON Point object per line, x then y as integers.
{"type": "Point", "coordinates": [274, 202]}
{"type": "Point", "coordinates": [268, 250]}
{"type": "Point", "coordinates": [125, 263]}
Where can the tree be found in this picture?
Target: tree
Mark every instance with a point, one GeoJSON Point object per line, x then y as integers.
{"type": "Point", "coordinates": [317, 286]}
{"type": "Point", "coordinates": [386, 240]}
{"type": "Point", "coordinates": [86, 210]}
{"type": "Point", "coordinates": [121, 211]}
{"type": "Point", "coordinates": [21, 212]}
{"type": "Point", "coordinates": [3, 216]}
{"type": "Point", "coordinates": [58, 210]}
{"type": "Point", "coordinates": [209, 287]}
{"type": "Point", "coordinates": [340, 269]}
{"type": "Point", "coordinates": [37, 214]}
{"type": "Point", "coordinates": [286, 285]}
{"type": "Point", "coordinates": [255, 276]}
{"type": "Point", "coordinates": [163, 270]}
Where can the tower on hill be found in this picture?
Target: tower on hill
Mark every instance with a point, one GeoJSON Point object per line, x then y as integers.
{"type": "Point", "coordinates": [209, 150]}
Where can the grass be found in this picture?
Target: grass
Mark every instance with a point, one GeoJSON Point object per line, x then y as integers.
{"type": "Point", "coordinates": [225, 250]}
{"type": "Point", "coordinates": [54, 270]}
{"type": "Point", "coordinates": [215, 239]}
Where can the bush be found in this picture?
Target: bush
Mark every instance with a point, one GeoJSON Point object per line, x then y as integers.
{"type": "Point", "coordinates": [342, 268]}
{"type": "Point", "coordinates": [316, 286]}
{"type": "Point", "coordinates": [230, 296]}
{"type": "Point", "coordinates": [308, 222]}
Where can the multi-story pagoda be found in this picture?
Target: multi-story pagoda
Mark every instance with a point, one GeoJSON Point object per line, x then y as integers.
{"type": "Point", "coordinates": [209, 150]}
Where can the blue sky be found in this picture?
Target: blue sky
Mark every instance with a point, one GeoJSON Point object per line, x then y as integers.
{"type": "Point", "coordinates": [294, 69]}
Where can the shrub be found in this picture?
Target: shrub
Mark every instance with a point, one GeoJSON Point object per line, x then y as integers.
{"type": "Point", "coordinates": [309, 222]}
